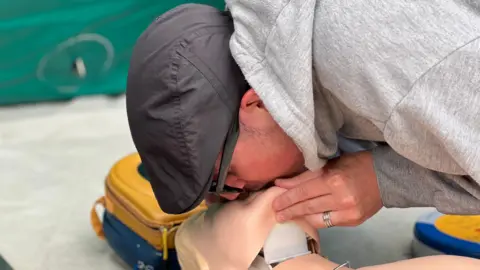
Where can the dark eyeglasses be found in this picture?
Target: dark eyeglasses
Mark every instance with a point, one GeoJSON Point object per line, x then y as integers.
{"type": "Point", "coordinates": [218, 185]}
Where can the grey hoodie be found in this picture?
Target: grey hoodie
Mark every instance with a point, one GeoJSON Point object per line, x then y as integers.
{"type": "Point", "coordinates": [402, 73]}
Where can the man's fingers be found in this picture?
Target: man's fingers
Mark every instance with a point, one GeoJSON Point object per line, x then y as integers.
{"type": "Point", "coordinates": [308, 207]}
{"type": "Point", "coordinates": [349, 217]}
{"type": "Point", "coordinates": [303, 192]}
{"type": "Point", "coordinates": [289, 183]}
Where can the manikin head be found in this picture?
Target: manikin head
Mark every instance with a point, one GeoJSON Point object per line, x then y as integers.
{"type": "Point", "coordinates": [211, 240]}
{"type": "Point", "coordinates": [263, 152]}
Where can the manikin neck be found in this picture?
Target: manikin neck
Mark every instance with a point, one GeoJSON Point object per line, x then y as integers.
{"type": "Point", "coordinates": [285, 241]}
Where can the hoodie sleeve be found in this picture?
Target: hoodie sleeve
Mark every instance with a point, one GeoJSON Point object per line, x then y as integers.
{"type": "Point", "coordinates": [404, 184]}
{"type": "Point", "coordinates": [433, 157]}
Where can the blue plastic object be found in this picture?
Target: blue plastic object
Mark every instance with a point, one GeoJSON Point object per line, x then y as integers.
{"type": "Point", "coordinates": [427, 232]}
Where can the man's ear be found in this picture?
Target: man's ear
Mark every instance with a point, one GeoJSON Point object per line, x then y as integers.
{"type": "Point", "coordinates": [251, 101]}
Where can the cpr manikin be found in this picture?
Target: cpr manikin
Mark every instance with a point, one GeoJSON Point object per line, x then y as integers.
{"type": "Point", "coordinates": [214, 235]}
{"type": "Point", "coordinates": [231, 236]}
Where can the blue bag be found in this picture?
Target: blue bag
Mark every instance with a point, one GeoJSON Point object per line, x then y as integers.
{"type": "Point", "coordinates": [133, 249]}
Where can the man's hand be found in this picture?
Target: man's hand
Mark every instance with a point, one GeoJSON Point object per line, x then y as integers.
{"type": "Point", "coordinates": [346, 186]}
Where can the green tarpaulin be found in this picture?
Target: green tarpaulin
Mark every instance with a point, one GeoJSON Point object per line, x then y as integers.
{"type": "Point", "coordinates": [52, 49]}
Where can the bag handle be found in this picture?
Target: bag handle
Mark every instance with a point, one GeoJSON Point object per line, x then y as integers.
{"type": "Point", "coordinates": [95, 220]}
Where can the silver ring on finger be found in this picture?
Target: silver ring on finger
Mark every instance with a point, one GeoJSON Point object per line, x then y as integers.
{"type": "Point", "coordinates": [327, 219]}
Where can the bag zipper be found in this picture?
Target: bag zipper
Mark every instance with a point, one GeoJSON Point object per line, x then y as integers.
{"type": "Point", "coordinates": [151, 225]}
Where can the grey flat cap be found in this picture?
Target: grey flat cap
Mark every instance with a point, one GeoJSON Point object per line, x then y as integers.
{"type": "Point", "coordinates": [183, 93]}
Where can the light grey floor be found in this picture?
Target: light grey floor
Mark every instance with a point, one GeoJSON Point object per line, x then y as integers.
{"type": "Point", "coordinates": [53, 159]}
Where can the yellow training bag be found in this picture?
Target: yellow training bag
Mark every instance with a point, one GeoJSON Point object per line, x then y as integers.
{"type": "Point", "coordinates": [129, 202]}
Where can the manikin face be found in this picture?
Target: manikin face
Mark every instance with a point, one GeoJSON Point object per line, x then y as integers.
{"type": "Point", "coordinates": [264, 152]}
{"type": "Point", "coordinates": [217, 235]}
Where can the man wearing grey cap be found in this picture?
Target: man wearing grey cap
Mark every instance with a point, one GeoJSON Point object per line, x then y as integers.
{"type": "Point", "coordinates": [228, 102]}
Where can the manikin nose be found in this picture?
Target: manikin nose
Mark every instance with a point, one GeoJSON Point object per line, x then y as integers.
{"type": "Point", "coordinates": [233, 181]}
